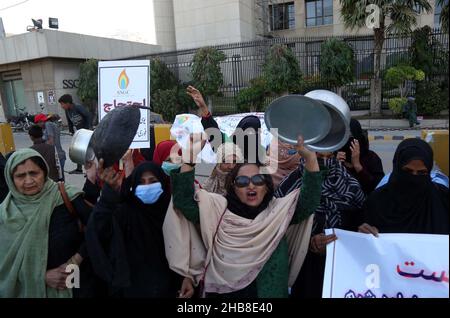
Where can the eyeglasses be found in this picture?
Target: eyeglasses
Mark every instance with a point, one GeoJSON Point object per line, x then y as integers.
{"type": "Point", "coordinates": [244, 181]}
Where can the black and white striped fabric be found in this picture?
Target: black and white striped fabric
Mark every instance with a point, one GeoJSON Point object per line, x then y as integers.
{"type": "Point", "coordinates": [340, 191]}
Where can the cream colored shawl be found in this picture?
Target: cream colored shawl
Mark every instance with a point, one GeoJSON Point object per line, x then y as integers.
{"type": "Point", "coordinates": [241, 246]}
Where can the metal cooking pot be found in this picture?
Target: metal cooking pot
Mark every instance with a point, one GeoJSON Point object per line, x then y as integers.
{"type": "Point", "coordinates": [110, 140]}
{"type": "Point", "coordinates": [339, 111]}
{"type": "Point", "coordinates": [80, 151]}
{"type": "Point", "coordinates": [295, 115]}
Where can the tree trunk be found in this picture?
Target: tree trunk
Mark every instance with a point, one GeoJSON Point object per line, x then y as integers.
{"type": "Point", "coordinates": [375, 107]}
{"type": "Point", "coordinates": [210, 104]}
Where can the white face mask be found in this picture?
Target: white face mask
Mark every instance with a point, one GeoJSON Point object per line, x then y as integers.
{"type": "Point", "coordinates": [149, 193]}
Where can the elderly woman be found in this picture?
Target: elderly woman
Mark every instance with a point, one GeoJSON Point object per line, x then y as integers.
{"type": "Point", "coordinates": [244, 232]}
{"type": "Point", "coordinates": [227, 155]}
{"type": "Point", "coordinates": [410, 202]}
{"type": "Point", "coordinates": [39, 234]}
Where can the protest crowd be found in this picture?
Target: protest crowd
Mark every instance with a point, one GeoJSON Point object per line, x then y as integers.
{"type": "Point", "coordinates": [148, 229]}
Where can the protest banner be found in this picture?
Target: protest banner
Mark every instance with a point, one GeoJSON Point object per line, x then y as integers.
{"type": "Point", "coordinates": [122, 84]}
{"type": "Point", "coordinates": [389, 266]}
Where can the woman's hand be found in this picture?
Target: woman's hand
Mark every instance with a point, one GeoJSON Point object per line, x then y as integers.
{"type": "Point", "coordinates": [56, 278]}
{"type": "Point", "coordinates": [187, 288]}
{"type": "Point", "coordinates": [311, 163]}
{"type": "Point", "coordinates": [319, 243]}
{"type": "Point", "coordinates": [195, 145]}
{"type": "Point", "coordinates": [341, 156]}
{"type": "Point", "coordinates": [368, 229]}
{"type": "Point", "coordinates": [110, 176]}
{"type": "Point", "coordinates": [198, 99]}
{"type": "Point", "coordinates": [354, 147]}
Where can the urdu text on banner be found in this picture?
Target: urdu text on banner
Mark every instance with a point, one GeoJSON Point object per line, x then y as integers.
{"type": "Point", "coordinates": [389, 266]}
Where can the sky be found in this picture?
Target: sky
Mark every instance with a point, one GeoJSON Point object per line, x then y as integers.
{"type": "Point", "coordinates": [121, 19]}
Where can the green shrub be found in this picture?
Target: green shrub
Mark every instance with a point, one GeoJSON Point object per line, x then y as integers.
{"type": "Point", "coordinates": [281, 70]}
{"type": "Point", "coordinates": [337, 63]}
{"type": "Point", "coordinates": [398, 75]}
{"type": "Point", "coordinates": [252, 98]}
{"type": "Point", "coordinates": [431, 97]}
{"type": "Point", "coordinates": [396, 104]}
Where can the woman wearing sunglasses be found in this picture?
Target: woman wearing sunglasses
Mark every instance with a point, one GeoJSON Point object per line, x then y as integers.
{"type": "Point", "coordinates": [246, 250]}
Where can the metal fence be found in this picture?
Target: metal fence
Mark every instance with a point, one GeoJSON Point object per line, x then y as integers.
{"type": "Point", "coordinates": [245, 60]}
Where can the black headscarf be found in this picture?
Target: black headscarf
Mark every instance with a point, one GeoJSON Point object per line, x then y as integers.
{"type": "Point", "coordinates": [410, 203]}
{"type": "Point", "coordinates": [236, 206]}
{"type": "Point", "coordinates": [250, 122]}
{"type": "Point", "coordinates": [163, 202]}
{"type": "Point", "coordinates": [358, 133]}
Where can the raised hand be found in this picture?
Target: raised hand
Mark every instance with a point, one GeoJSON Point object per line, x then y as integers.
{"type": "Point", "coordinates": [310, 157]}
{"type": "Point", "coordinates": [355, 148]}
{"type": "Point", "coordinates": [195, 145]}
{"type": "Point", "coordinates": [110, 176]}
{"type": "Point", "coordinates": [198, 99]}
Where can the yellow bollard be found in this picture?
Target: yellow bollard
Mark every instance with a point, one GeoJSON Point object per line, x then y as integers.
{"type": "Point", "coordinates": [6, 138]}
{"type": "Point", "coordinates": [438, 140]}
{"type": "Point", "coordinates": [162, 132]}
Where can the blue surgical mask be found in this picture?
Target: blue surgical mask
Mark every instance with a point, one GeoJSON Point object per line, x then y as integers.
{"type": "Point", "coordinates": [168, 167]}
{"type": "Point", "coordinates": [149, 193]}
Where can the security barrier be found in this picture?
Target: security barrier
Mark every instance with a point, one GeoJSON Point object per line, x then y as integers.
{"type": "Point", "coordinates": [438, 140]}
{"type": "Point", "coordinates": [6, 139]}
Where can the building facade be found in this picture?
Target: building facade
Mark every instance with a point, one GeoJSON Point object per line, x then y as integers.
{"type": "Point", "coordinates": [37, 67]}
{"type": "Point", "coordinates": [187, 24]}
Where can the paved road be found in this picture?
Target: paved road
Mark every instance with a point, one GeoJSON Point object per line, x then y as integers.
{"type": "Point", "coordinates": [385, 148]}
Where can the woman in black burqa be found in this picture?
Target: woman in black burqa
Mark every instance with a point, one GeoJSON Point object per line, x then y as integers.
{"type": "Point", "coordinates": [125, 239]}
{"type": "Point", "coordinates": [410, 202]}
{"type": "Point", "coordinates": [362, 163]}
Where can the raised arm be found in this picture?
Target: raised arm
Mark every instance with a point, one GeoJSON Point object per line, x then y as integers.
{"type": "Point", "coordinates": [310, 192]}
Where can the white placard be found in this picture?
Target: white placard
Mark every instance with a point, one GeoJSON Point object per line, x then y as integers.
{"type": "Point", "coordinates": [389, 266]}
{"type": "Point", "coordinates": [122, 83]}
{"type": "Point", "coordinates": [228, 124]}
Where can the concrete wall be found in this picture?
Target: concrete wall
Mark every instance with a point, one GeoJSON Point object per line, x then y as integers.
{"type": "Point", "coordinates": [52, 43]}
{"type": "Point", "coordinates": [201, 23]}
{"type": "Point", "coordinates": [165, 25]}
{"type": "Point", "coordinates": [46, 75]}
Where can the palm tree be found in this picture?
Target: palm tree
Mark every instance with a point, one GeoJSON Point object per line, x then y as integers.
{"type": "Point", "coordinates": [444, 14]}
{"type": "Point", "coordinates": [402, 14]}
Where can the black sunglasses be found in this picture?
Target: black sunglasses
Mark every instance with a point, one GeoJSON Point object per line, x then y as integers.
{"type": "Point", "coordinates": [244, 181]}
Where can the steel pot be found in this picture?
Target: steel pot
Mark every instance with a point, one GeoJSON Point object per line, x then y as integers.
{"type": "Point", "coordinates": [340, 114]}
{"type": "Point", "coordinates": [80, 150]}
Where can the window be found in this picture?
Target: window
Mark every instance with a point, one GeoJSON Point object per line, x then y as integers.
{"type": "Point", "coordinates": [319, 12]}
{"type": "Point", "coordinates": [437, 13]}
{"type": "Point", "coordinates": [282, 16]}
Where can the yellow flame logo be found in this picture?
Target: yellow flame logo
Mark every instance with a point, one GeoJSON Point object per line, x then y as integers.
{"type": "Point", "coordinates": [124, 81]}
